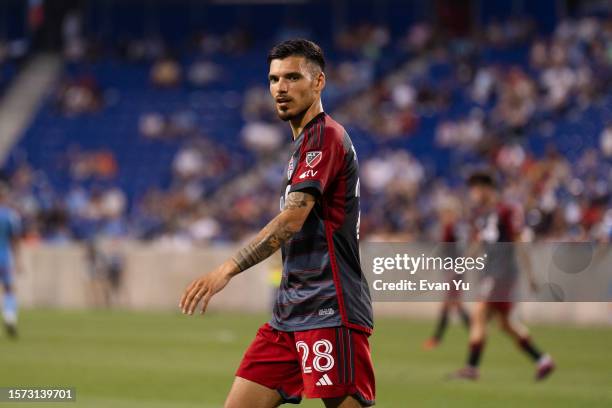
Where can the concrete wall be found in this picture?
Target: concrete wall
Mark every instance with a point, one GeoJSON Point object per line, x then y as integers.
{"type": "Point", "coordinates": [156, 276]}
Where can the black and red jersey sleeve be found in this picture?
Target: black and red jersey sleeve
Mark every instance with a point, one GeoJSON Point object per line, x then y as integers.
{"type": "Point", "coordinates": [318, 164]}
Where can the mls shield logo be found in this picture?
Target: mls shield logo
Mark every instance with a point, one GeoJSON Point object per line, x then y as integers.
{"type": "Point", "coordinates": [313, 158]}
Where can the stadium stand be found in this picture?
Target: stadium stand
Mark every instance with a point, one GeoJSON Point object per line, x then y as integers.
{"type": "Point", "coordinates": [144, 137]}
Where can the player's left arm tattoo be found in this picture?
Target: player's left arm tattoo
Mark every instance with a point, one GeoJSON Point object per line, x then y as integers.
{"type": "Point", "coordinates": [298, 199]}
{"type": "Point", "coordinates": [278, 231]}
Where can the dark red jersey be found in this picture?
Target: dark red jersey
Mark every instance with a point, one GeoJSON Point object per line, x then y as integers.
{"type": "Point", "coordinates": [500, 224]}
{"type": "Point", "coordinates": [449, 233]}
{"type": "Point", "coordinates": [322, 283]}
{"type": "Point", "coordinates": [497, 229]}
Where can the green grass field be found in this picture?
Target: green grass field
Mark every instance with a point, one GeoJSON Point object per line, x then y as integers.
{"type": "Point", "coordinates": [126, 359]}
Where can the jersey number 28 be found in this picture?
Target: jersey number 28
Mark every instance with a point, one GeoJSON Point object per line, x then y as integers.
{"type": "Point", "coordinates": [322, 361]}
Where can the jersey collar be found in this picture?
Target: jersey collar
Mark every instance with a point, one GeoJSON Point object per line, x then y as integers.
{"type": "Point", "coordinates": [310, 123]}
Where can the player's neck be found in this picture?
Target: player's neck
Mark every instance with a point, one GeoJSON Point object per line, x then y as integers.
{"type": "Point", "coordinates": [492, 201]}
{"type": "Point", "coordinates": [298, 123]}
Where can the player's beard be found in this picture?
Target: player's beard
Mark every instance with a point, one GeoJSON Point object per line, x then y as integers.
{"type": "Point", "coordinates": [285, 116]}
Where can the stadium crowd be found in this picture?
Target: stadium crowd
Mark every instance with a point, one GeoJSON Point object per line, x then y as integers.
{"type": "Point", "coordinates": [562, 198]}
{"type": "Point", "coordinates": [486, 111]}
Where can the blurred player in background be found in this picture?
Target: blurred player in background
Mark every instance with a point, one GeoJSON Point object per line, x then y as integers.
{"type": "Point", "coordinates": [496, 223]}
{"type": "Point", "coordinates": [316, 343]}
{"type": "Point", "coordinates": [105, 270]}
{"type": "Point", "coordinates": [10, 227]}
{"type": "Point", "coordinates": [449, 214]}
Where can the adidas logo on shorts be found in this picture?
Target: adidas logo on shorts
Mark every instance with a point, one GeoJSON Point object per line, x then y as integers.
{"type": "Point", "coordinates": [324, 380]}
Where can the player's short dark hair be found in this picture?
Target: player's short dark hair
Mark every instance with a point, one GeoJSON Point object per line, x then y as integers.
{"type": "Point", "coordinates": [305, 48]}
{"type": "Point", "coordinates": [481, 178]}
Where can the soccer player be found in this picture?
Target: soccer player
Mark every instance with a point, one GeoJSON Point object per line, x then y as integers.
{"type": "Point", "coordinates": [9, 248]}
{"type": "Point", "coordinates": [496, 222]}
{"type": "Point", "coordinates": [449, 213]}
{"type": "Point", "coordinates": [316, 343]}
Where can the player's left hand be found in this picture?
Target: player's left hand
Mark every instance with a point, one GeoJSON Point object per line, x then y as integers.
{"type": "Point", "coordinates": [203, 288]}
{"type": "Point", "coordinates": [533, 285]}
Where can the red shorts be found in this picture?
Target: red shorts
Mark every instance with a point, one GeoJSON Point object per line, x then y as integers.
{"type": "Point", "coordinates": [320, 363]}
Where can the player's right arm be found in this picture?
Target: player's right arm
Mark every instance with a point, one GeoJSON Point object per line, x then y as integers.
{"type": "Point", "coordinates": [297, 207]}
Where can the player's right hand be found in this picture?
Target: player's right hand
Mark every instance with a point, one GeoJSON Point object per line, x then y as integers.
{"type": "Point", "coordinates": [203, 288]}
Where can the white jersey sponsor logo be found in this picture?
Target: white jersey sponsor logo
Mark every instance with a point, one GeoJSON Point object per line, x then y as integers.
{"type": "Point", "coordinates": [326, 312]}
{"type": "Point", "coordinates": [308, 173]}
